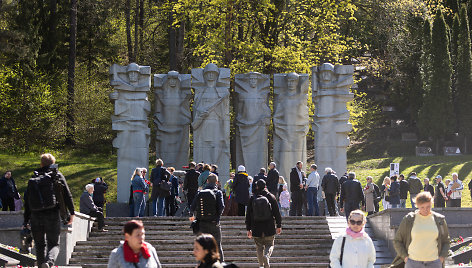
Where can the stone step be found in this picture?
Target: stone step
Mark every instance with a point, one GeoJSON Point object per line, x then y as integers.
{"type": "Point", "coordinates": [241, 265]}
{"type": "Point", "coordinates": [235, 259]}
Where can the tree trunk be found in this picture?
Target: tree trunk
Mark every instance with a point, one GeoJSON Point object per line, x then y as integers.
{"type": "Point", "coordinates": [172, 44]}
{"type": "Point", "coordinates": [180, 46]}
{"type": "Point", "coordinates": [128, 31]}
{"type": "Point", "coordinates": [136, 30]}
{"type": "Point", "coordinates": [70, 123]}
{"type": "Point", "coordinates": [228, 34]}
{"type": "Point", "coordinates": [141, 25]}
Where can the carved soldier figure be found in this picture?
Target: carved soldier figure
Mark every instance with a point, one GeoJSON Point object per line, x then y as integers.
{"type": "Point", "coordinates": [330, 85]}
{"type": "Point", "coordinates": [172, 117]}
{"type": "Point", "coordinates": [211, 117]}
{"type": "Point", "coordinates": [290, 120]}
{"type": "Point", "coordinates": [252, 120]}
{"type": "Point", "coordinates": [130, 120]}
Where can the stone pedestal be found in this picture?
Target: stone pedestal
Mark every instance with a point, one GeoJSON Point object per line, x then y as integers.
{"type": "Point", "coordinates": [330, 93]}
{"type": "Point", "coordinates": [252, 120]}
{"type": "Point", "coordinates": [172, 118]}
{"type": "Point", "coordinates": [130, 120]}
{"type": "Point", "coordinates": [211, 118]}
{"type": "Point", "coordinates": [290, 120]}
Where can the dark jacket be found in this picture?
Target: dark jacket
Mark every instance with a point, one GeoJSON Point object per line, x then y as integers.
{"type": "Point", "coordinates": [241, 188]}
{"type": "Point", "coordinates": [220, 205]}
{"type": "Point", "coordinates": [342, 180]}
{"type": "Point", "coordinates": [272, 180]}
{"type": "Point", "coordinates": [295, 180]}
{"type": "Point", "coordinates": [86, 203]}
{"type": "Point", "coordinates": [99, 190]}
{"type": "Point", "coordinates": [158, 174]}
{"type": "Point", "coordinates": [429, 188]}
{"type": "Point", "coordinates": [394, 193]}
{"type": "Point", "coordinates": [378, 194]}
{"type": "Point", "coordinates": [8, 188]}
{"type": "Point", "coordinates": [260, 176]}
{"type": "Point", "coordinates": [67, 196]}
{"type": "Point", "coordinates": [266, 228]}
{"type": "Point", "coordinates": [330, 184]}
{"type": "Point", "coordinates": [191, 180]}
{"type": "Point", "coordinates": [403, 237]}
{"type": "Point", "coordinates": [415, 185]}
{"type": "Point", "coordinates": [174, 190]}
{"type": "Point", "coordinates": [351, 191]}
{"type": "Point", "coordinates": [404, 189]}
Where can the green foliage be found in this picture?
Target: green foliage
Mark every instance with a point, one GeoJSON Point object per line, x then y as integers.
{"type": "Point", "coordinates": [436, 113]}
{"type": "Point", "coordinates": [464, 77]}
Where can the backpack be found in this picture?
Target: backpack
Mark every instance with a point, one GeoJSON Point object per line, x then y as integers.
{"type": "Point", "coordinates": [164, 188]}
{"type": "Point", "coordinates": [261, 208]}
{"type": "Point", "coordinates": [45, 192]}
{"type": "Point", "coordinates": [206, 205]}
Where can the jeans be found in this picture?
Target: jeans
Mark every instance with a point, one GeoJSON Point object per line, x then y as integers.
{"type": "Point", "coordinates": [158, 206]}
{"type": "Point", "coordinates": [46, 223]}
{"type": "Point", "coordinates": [264, 247]}
{"type": "Point", "coordinates": [311, 196]}
{"type": "Point", "coordinates": [284, 212]}
{"type": "Point", "coordinates": [350, 206]}
{"type": "Point", "coordinates": [403, 203]}
{"type": "Point", "coordinates": [297, 203]}
{"type": "Point", "coordinates": [412, 199]}
{"type": "Point", "coordinates": [214, 229]}
{"type": "Point", "coordinates": [423, 264]}
{"type": "Point", "coordinates": [139, 204]}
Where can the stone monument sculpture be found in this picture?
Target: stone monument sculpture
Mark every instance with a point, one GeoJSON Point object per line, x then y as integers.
{"type": "Point", "coordinates": [290, 120]}
{"type": "Point", "coordinates": [211, 119]}
{"type": "Point", "coordinates": [172, 118]}
{"type": "Point", "coordinates": [252, 120]}
{"type": "Point", "coordinates": [330, 93]}
{"type": "Point", "coordinates": [130, 120]}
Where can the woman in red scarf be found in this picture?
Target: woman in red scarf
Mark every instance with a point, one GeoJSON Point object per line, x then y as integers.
{"type": "Point", "coordinates": [134, 252]}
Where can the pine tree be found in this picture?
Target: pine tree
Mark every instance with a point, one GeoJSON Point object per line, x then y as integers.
{"type": "Point", "coordinates": [426, 56]}
{"type": "Point", "coordinates": [464, 78]}
{"type": "Point", "coordinates": [435, 114]}
{"type": "Point", "coordinates": [454, 43]}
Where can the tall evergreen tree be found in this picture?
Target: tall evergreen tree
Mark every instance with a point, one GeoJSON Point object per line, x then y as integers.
{"type": "Point", "coordinates": [464, 78]}
{"type": "Point", "coordinates": [435, 115]}
{"type": "Point", "coordinates": [454, 43]}
{"type": "Point", "coordinates": [426, 56]}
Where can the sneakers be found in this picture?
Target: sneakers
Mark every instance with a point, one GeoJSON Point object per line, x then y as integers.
{"type": "Point", "coordinates": [100, 230]}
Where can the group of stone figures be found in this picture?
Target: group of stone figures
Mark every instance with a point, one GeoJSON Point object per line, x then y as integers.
{"type": "Point", "coordinates": [211, 118]}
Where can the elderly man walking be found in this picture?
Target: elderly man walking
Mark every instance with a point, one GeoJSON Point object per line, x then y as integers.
{"type": "Point", "coordinates": [351, 195]}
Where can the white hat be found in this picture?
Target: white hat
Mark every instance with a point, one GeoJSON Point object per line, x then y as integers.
{"type": "Point", "coordinates": [241, 168]}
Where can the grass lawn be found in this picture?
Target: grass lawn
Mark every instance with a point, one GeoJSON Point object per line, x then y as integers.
{"type": "Point", "coordinates": [80, 169]}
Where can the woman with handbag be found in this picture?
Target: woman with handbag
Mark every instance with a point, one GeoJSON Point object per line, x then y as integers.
{"type": "Point", "coordinates": [8, 192]}
{"type": "Point", "coordinates": [355, 248]}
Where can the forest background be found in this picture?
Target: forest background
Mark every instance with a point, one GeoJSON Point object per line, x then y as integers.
{"type": "Point", "coordinates": [412, 58]}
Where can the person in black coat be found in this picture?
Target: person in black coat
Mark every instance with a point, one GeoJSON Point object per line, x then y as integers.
{"type": "Point", "coordinates": [191, 182]}
{"type": "Point", "coordinates": [297, 183]}
{"type": "Point", "coordinates": [351, 195]}
{"type": "Point", "coordinates": [158, 174]}
{"type": "Point", "coordinates": [263, 232]}
{"type": "Point", "coordinates": [8, 192]}
{"type": "Point", "coordinates": [260, 176]}
{"type": "Point", "coordinates": [428, 187]}
{"type": "Point", "coordinates": [272, 179]}
{"type": "Point", "coordinates": [330, 185]}
{"type": "Point", "coordinates": [404, 186]}
{"type": "Point", "coordinates": [99, 190]}
{"type": "Point", "coordinates": [241, 190]}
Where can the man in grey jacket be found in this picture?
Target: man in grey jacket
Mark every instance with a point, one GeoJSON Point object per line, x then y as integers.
{"type": "Point", "coordinates": [88, 207]}
{"type": "Point", "coordinates": [415, 187]}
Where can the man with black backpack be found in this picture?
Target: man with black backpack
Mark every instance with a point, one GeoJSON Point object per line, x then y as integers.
{"type": "Point", "coordinates": [207, 206]}
{"type": "Point", "coordinates": [260, 215]}
{"type": "Point", "coordinates": [160, 188]}
{"type": "Point", "coordinates": [47, 201]}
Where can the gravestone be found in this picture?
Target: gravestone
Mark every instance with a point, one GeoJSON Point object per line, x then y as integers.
{"type": "Point", "coordinates": [290, 120]}
{"type": "Point", "coordinates": [448, 151]}
{"type": "Point", "coordinates": [211, 120]}
{"type": "Point", "coordinates": [423, 151]}
{"type": "Point", "coordinates": [252, 120]}
{"type": "Point", "coordinates": [172, 118]}
{"type": "Point", "coordinates": [130, 120]}
{"type": "Point", "coordinates": [409, 136]}
{"type": "Point", "coordinates": [330, 93]}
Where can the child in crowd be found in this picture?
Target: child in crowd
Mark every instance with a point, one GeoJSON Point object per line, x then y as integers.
{"type": "Point", "coordinates": [284, 201]}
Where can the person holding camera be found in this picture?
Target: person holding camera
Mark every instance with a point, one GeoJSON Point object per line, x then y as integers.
{"type": "Point", "coordinates": [46, 198]}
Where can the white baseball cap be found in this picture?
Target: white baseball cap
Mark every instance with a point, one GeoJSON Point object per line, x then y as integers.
{"type": "Point", "coordinates": [241, 168]}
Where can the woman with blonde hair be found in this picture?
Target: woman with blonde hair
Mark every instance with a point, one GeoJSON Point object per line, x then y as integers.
{"type": "Point", "coordinates": [355, 248]}
{"type": "Point", "coordinates": [422, 240]}
{"type": "Point", "coordinates": [140, 188]}
{"type": "Point", "coordinates": [384, 189]}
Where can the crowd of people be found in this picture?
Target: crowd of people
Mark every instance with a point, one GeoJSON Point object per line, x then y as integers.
{"type": "Point", "coordinates": [263, 199]}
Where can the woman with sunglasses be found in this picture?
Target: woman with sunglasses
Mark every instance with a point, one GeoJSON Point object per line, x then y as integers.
{"type": "Point", "coordinates": [422, 240]}
{"type": "Point", "coordinates": [355, 248]}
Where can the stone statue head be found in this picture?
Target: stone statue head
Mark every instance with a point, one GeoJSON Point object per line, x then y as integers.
{"type": "Point", "coordinates": [211, 72]}
{"type": "Point", "coordinates": [292, 81]}
{"type": "Point", "coordinates": [133, 72]}
{"type": "Point", "coordinates": [326, 72]}
{"type": "Point", "coordinates": [173, 79]}
{"type": "Point", "coordinates": [253, 79]}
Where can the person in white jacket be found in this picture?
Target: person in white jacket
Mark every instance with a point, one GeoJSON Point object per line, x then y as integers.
{"type": "Point", "coordinates": [355, 248]}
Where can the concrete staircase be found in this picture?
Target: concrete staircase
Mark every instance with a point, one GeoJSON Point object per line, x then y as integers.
{"type": "Point", "coordinates": [304, 242]}
{"type": "Point", "coordinates": [337, 227]}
